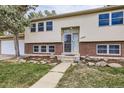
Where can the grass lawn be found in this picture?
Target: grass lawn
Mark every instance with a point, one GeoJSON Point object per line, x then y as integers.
{"type": "Point", "coordinates": [13, 75]}
{"type": "Point", "coordinates": [92, 77]}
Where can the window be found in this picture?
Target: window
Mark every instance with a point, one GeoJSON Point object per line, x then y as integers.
{"type": "Point", "coordinates": [51, 49]}
{"type": "Point", "coordinates": [33, 27]}
{"type": "Point", "coordinates": [108, 49]}
{"type": "Point", "coordinates": [117, 18]}
{"type": "Point", "coordinates": [43, 48]}
{"type": "Point", "coordinates": [104, 19]}
{"type": "Point", "coordinates": [114, 49]}
{"type": "Point", "coordinates": [102, 49]}
{"type": "Point", "coordinates": [40, 26]}
{"type": "Point", "coordinates": [49, 26]}
{"type": "Point", "coordinates": [35, 49]}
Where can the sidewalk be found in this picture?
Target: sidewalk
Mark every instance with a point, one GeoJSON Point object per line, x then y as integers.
{"type": "Point", "coordinates": [51, 79]}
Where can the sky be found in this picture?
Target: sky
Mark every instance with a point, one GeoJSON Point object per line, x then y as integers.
{"type": "Point", "coordinates": [66, 8]}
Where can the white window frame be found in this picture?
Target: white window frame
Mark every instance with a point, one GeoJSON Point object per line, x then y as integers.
{"type": "Point", "coordinates": [109, 18]}
{"type": "Point", "coordinates": [33, 49]}
{"type": "Point", "coordinates": [46, 25]}
{"type": "Point", "coordinates": [40, 48]}
{"type": "Point", "coordinates": [47, 48]}
{"type": "Point", "coordinates": [40, 26]}
{"type": "Point", "coordinates": [117, 18]}
{"type": "Point", "coordinates": [108, 50]}
{"type": "Point", "coordinates": [33, 27]}
{"type": "Point", "coordinates": [54, 48]}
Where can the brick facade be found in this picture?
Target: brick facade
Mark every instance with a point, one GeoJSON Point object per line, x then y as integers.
{"type": "Point", "coordinates": [29, 47]}
{"type": "Point", "coordinates": [85, 48]}
{"type": "Point", "coordinates": [89, 48]}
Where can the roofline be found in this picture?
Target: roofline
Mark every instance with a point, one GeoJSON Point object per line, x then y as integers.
{"type": "Point", "coordinates": [89, 11]}
{"type": "Point", "coordinates": [21, 36]}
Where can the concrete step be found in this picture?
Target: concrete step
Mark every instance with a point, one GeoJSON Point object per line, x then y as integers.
{"type": "Point", "coordinates": [68, 58]}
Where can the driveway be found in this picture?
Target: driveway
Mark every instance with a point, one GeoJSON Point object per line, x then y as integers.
{"type": "Point", "coordinates": [5, 57]}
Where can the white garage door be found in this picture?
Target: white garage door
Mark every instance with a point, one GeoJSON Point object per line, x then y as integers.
{"type": "Point", "coordinates": [7, 47]}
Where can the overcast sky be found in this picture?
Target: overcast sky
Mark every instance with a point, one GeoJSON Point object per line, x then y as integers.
{"type": "Point", "coordinates": [66, 8]}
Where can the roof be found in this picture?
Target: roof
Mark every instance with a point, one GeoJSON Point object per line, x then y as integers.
{"type": "Point", "coordinates": [89, 11]}
{"type": "Point", "coordinates": [21, 35]}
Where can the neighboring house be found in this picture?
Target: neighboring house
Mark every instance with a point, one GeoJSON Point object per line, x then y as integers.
{"type": "Point", "coordinates": [94, 32]}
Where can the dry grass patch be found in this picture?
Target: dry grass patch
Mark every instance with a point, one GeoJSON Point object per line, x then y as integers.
{"type": "Point", "coordinates": [87, 77]}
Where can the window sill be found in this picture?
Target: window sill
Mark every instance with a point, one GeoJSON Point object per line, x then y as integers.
{"type": "Point", "coordinates": [112, 25]}
{"type": "Point", "coordinates": [108, 54]}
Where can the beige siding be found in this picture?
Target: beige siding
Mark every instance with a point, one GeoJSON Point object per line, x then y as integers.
{"type": "Point", "coordinates": [88, 28]}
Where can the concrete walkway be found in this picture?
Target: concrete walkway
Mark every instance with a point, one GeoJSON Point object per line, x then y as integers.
{"type": "Point", "coordinates": [51, 79]}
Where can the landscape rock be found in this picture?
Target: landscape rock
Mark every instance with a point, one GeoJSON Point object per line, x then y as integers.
{"type": "Point", "coordinates": [106, 60]}
{"type": "Point", "coordinates": [73, 64]}
{"type": "Point", "coordinates": [22, 61]}
{"type": "Point", "coordinates": [101, 63]}
{"type": "Point", "coordinates": [53, 64]}
{"type": "Point", "coordinates": [115, 65]}
{"type": "Point", "coordinates": [52, 56]}
{"type": "Point", "coordinates": [35, 61]}
{"type": "Point", "coordinates": [43, 62]}
{"type": "Point", "coordinates": [30, 61]}
{"type": "Point", "coordinates": [83, 61]}
{"type": "Point", "coordinates": [91, 64]}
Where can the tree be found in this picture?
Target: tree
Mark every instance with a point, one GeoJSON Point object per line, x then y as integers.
{"type": "Point", "coordinates": [41, 14]}
{"type": "Point", "coordinates": [13, 19]}
{"type": "Point", "coordinates": [35, 15]}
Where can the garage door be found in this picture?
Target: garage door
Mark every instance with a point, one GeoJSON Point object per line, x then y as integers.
{"type": "Point", "coordinates": [7, 47]}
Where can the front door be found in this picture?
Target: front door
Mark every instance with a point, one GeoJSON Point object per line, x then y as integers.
{"type": "Point", "coordinates": [67, 43]}
{"type": "Point", "coordinates": [71, 43]}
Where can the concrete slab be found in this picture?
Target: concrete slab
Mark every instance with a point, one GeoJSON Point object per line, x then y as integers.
{"type": "Point", "coordinates": [61, 67]}
{"type": "Point", "coordinates": [51, 79]}
{"type": "Point", "coordinates": [5, 57]}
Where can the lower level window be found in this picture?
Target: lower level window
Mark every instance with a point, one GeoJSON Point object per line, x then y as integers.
{"type": "Point", "coordinates": [102, 49]}
{"type": "Point", "coordinates": [108, 49]}
{"type": "Point", "coordinates": [43, 48]}
{"type": "Point", "coordinates": [114, 49]}
{"type": "Point", "coordinates": [35, 49]}
{"type": "Point", "coordinates": [51, 48]}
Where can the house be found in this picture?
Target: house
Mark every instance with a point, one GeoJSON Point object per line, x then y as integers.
{"type": "Point", "coordinates": [94, 32]}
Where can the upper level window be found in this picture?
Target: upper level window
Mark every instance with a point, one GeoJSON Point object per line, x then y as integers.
{"type": "Point", "coordinates": [104, 19]}
{"type": "Point", "coordinates": [41, 26]}
{"type": "Point", "coordinates": [33, 27]}
{"type": "Point", "coordinates": [117, 18]}
{"type": "Point", "coordinates": [49, 26]}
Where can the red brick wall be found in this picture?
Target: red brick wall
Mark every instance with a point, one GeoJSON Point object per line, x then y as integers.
{"type": "Point", "coordinates": [89, 48]}
{"type": "Point", "coordinates": [85, 48]}
{"type": "Point", "coordinates": [29, 48]}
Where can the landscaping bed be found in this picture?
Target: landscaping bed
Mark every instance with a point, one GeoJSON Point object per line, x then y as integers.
{"type": "Point", "coordinates": [51, 60]}
{"type": "Point", "coordinates": [21, 75]}
{"type": "Point", "coordinates": [83, 76]}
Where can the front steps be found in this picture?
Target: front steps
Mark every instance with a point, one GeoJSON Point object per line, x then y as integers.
{"type": "Point", "coordinates": [66, 58]}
